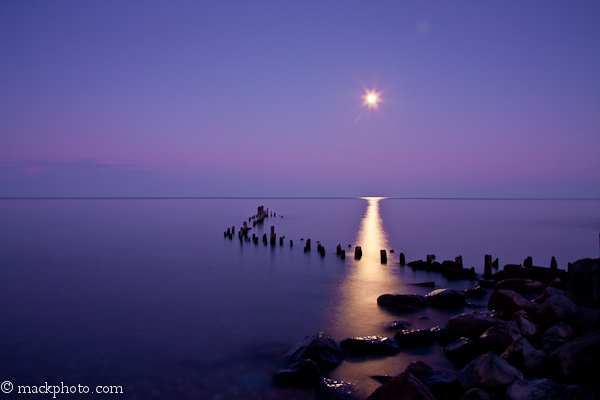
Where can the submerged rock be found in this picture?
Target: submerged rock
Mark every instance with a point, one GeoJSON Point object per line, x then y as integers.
{"type": "Point", "coordinates": [401, 300]}
{"type": "Point", "coordinates": [404, 386]}
{"type": "Point", "coordinates": [375, 345]}
{"type": "Point", "coordinates": [301, 372]}
{"type": "Point", "coordinates": [320, 348]}
{"type": "Point", "coordinates": [417, 337]}
{"type": "Point", "coordinates": [536, 389]}
{"type": "Point", "coordinates": [445, 298]}
{"type": "Point", "coordinates": [489, 372]}
{"type": "Point", "coordinates": [397, 325]}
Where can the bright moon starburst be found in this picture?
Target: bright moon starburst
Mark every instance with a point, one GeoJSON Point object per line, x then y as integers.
{"type": "Point", "coordinates": [372, 99]}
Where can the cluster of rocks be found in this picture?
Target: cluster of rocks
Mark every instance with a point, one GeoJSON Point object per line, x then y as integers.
{"type": "Point", "coordinates": [539, 339]}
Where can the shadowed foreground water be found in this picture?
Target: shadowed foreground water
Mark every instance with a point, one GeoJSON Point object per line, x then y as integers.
{"type": "Point", "coordinates": [148, 295]}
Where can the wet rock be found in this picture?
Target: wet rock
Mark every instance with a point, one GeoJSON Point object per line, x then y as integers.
{"type": "Point", "coordinates": [556, 308]}
{"type": "Point", "coordinates": [401, 300]}
{"type": "Point", "coordinates": [500, 336]}
{"type": "Point", "coordinates": [548, 292]}
{"type": "Point", "coordinates": [583, 286]}
{"type": "Point", "coordinates": [337, 390]}
{"type": "Point", "coordinates": [381, 378]}
{"type": "Point", "coordinates": [536, 389]}
{"type": "Point", "coordinates": [445, 298]}
{"type": "Point", "coordinates": [551, 343]}
{"type": "Point", "coordinates": [417, 337]}
{"type": "Point", "coordinates": [407, 310]}
{"type": "Point", "coordinates": [397, 325]}
{"type": "Point", "coordinates": [510, 301]}
{"type": "Point", "coordinates": [441, 384]}
{"type": "Point", "coordinates": [560, 330]}
{"type": "Point", "coordinates": [320, 348]}
{"type": "Point", "coordinates": [489, 372]}
{"type": "Point", "coordinates": [585, 320]}
{"type": "Point", "coordinates": [404, 386]}
{"type": "Point", "coordinates": [524, 357]}
{"type": "Point", "coordinates": [525, 322]}
{"type": "Point", "coordinates": [522, 286]}
{"type": "Point", "coordinates": [375, 345]}
{"type": "Point", "coordinates": [487, 283]}
{"type": "Point", "coordinates": [578, 360]}
{"type": "Point", "coordinates": [470, 325]}
{"type": "Point", "coordinates": [475, 394]}
{"type": "Point", "coordinates": [479, 291]}
{"type": "Point", "coordinates": [301, 372]}
{"type": "Point", "coordinates": [454, 275]}
{"type": "Point", "coordinates": [474, 305]}
{"type": "Point", "coordinates": [426, 284]}
{"type": "Point", "coordinates": [462, 351]}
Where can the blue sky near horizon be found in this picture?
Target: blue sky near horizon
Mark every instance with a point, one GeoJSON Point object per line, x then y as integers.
{"type": "Point", "coordinates": [478, 99]}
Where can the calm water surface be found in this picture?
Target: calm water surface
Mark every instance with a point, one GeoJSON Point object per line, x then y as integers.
{"type": "Point", "coordinates": [148, 295]}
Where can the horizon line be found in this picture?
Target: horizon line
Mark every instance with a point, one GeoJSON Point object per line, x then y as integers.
{"type": "Point", "coordinates": [285, 198]}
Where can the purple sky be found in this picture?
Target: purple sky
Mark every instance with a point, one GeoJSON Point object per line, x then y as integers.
{"type": "Point", "coordinates": [249, 98]}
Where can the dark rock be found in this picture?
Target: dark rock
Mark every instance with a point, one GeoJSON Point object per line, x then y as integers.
{"type": "Point", "coordinates": [585, 320]}
{"type": "Point", "coordinates": [337, 390]}
{"type": "Point", "coordinates": [553, 264]}
{"type": "Point", "coordinates": [445, 298]}
{"type": "Point", "coordinates": [418, 264]}
{"type": "Point", "coordinates": [487, 283]}
{"type": "Point", "coordinates": [583, 286]}
{"type": "Point", "coordinates": [525, 323]}
{"type": "Point", "coordinates": [401, 300]}
{"type": "Point", "coordinates": [510, 301]}
{"type": "Point", "coordinates": [489, 372]}
{"type": "Point", "coordinates": [524, 357]}
{"type": "Point", "coordinates": [560, 330]}
{"type": "Point", "coordinates": [522, 286]}
{"type": "Point", "coordinates": [407, 310]}
{"type": "Point", "coordinates": [301, 372]}
{"type": "Point", "coordinates": [551, 343]}
{"type": "Point", "coordinates": [320, 348]}
{"type": "Point", "coordinates": [544, 275]}
{"type": "Point", "coordinates": [426, 284]}
{"type": "Point", "coordinates": [577, 392]}
{"type": "Point", "coordinates": [578, 360]}
{"type": "Point", "coordinates": [470, 325]}
{"type": "Point", "coordinates": [381, 378]}
{"type": "Point", "coordinates": [558, 283]}
{"type": "Point", "coordinates": [462, 351]}
{"type": "Point", "coordinates": [397, 325]}
{"type": "Point", "coordinates": [475, 394]}
{"type": "Point", "coordinates": [536, 389]}
{"type": "Point", "coordinates": [375, 345]}
{"type": "Point", "coordinates": [404, 386]}
{"type": "Point", "coordinates": [474, 305]}
{"type": "Point", "coordinates": [417, 337]}
{"type": "Point", "coordinates": [477, 292]}
{"type": "Point", "coordinates": [454, 275]}
{"type": "Point", "coordinates": [500, 336]}
{"type": "Point", "coordinates": [547, 293]}
{"type": "Point", "coordinates": [528, 263]}
{"type": "Point", "coordinates": [441, 384]}
{"type": "Point", "coordinates": [555, 309]}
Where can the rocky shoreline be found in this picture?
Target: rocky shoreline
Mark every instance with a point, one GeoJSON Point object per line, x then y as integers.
{"type": "Point", "coordinates": [538, 339]}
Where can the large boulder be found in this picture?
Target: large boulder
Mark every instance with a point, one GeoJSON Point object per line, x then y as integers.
{"type": "Point", "coordinates": [418, 337]}
{"type": "Point", "coordinates": [476, 292]}
{"type": "Point", "coordinates": [462, 350]}
{"type": "Point", "coordinates": [500, 336]}
{"type": "Point", "coordinates": [585, 320]}
{"type": "Point", "coordinates": [555, 309]}
{"type": "Point", "coordinates": [441, 384]}
{"type": "Point", "coordinates": [579, 359]}
{"type": "Point", "coordinates": [301, 372]}
{"type": "Point", "coordinates": [536, 389]}
{"type": "Point", "coordinates": [375, 345]}
{"type": "Point", "coordinates": [524, 357]}
{"type": "Point", "coordinates": [510, 301]}
{"type": "Point", "coordinates": [445, 298]}
{"type": "Point", "coordinates": [559, 329]}
{"type": "Point", "coordinates": [522, 286]}
{"type": "Point", "coordinates": [404, 386]}
{"type": "Point", "coordinates": [475, 394]}
{"type": "Point", "coordinates": [320, 348]}
{"type": "Point", "coordinates": [548, 292]}
{"type": "Point", "coordinates": [470, 325]}
{"type": "Point", "coordinates": [583, 286]}
{"type": "Point", "coordinates": [401, 300]}
{"type": "Point", "coordinates": [489, 372]}
{"type": "Point", "coordinates": [525, 322]}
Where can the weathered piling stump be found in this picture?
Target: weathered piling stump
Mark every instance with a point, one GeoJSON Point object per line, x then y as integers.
{"type": "Point", "coordinates": [495, 263]}
{"type": "Point", "coordinates": [281, 241]}
{"type": "Point", "coordinates": [265, 241]}
{"type": "Point", "coordinates": [487, 266]}
{"type": "Point", "coordinates": [319, 247]}
{"type": "Point", "coordinates": [553, 264]}
{"type": "Point", "coordinates": [402, 259]}
{"type": "Point", "coordinates": [343, 254]}
{"type": "Point", "coordinates": [338, 249]}
{"type": "Point", "coordinates": [308, 244]}
{"type": "Point", "coordinates": [528, 262]}
{"type": "Point", "coordinates": [273, 236]}
{"type": "Point", "coordinates": [228, 231]}
{"type": "Point", "coordinates": [357, 253]}
{"type": "Point", "coordinates": [458, 260]}
{"type": "Point", "coordinates": [291, 243]}
{"type": "Point", "coordinates": [383, 256]}
{"type": "Point", "coordinates": [430, 258]}
{"type": "Point", "coordinates": [322, 251]}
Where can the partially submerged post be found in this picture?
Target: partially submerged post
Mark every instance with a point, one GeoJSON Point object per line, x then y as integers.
{"type": "Point", "coordinates": [273, 236]}
{"type": "Point", "coordinates": [357, 253]}
{"type": "Point", "coordinates": [553, 264]}
{"type": "Point", "coordinates": [383, 256]}
{"type": "Point", "coordinates": [487, 266]}
{"type": "Point", "coordinates": [338, 250]}
{"type": "Point", "coordinates": [528, 263]}
{"type": "Point", "coordinates": [343, 254]}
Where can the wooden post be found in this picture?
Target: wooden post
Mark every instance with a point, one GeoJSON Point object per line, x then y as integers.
{"type": "Point", "coordinates": [402, 259]}
{"type": "Point", "coordinates": [383, 256]}
{"type": "Point", "coordinates": [553, 264]}
{"type": "Point", "coordinates": [343, 254]}
{"type": "Point", "coordinates": [357, 253]}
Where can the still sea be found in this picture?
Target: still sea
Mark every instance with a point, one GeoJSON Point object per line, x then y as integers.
{"type": "Point", "coordinates": [148, 294]}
